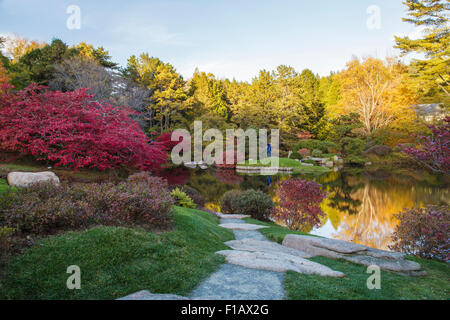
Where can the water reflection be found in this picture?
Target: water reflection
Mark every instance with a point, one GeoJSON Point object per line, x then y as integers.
{"type": "Point", "coordinates": [360, 206]}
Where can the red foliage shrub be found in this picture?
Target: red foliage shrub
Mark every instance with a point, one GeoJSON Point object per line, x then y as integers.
{"type": "Point", "coordinates": [304, 135]}
{"type": "Point", "coordinates": [434, 151]}
{"type": "Point", "coordinates": [304, 152]}
{"type": "Point", "coordinates": [71, 130]}
{"type": "Point", "coordinates": [299, 205]}
{"type": "Point", "coordinates": [424, 232]}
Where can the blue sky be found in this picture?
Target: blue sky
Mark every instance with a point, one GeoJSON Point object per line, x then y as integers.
{"type": "Point", "coordinates": [232, 39]}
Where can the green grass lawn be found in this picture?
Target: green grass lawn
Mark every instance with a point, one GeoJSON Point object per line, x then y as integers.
{"type": "Point", "coordinates": [115, 262]}
{"type": "Point", "coordinates": [4, 186]}
{"type": "Point", "coordinates": [436, 285]}
{"type": "Point", "coordinates": [289, 163]}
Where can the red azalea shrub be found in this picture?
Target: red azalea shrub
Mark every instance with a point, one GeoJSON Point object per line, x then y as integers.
{"type": "Point", "coordinates": [299, 205]}
{"type": "Point", "coordinates": [434, 151]}
{"type": "Point", "coordinates": [305, 135]}
{"type": "Point", "coordinates": [70, 129]}
{"type": "Point", "coordinates": [424, 232]}
{"type": "Point", "coordinates": [304, 152]}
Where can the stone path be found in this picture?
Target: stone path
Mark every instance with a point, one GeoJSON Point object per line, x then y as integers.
{"type": "Point", "coordinates": [255, 266]}
{"type": "Point", "coordinates": [234, 282]}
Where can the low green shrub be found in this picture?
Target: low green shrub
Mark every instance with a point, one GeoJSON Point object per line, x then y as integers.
{"type": "Point", "coordinates": [182, 199]}
{"type": "Point", "coordinates": [355, 160]}
{"type": "Point", "coordinates": [352, 146]}
{"type": "Point", "coordinates": [311, 144]}
{"type": "Point", "coordinates": [316, 153]}
{"type": "Point", "coordinates": [229, 202]}
{"type": "Point", "coordinates": [257, 204]}
{"type": "Point", "coordinates": [296, 156]}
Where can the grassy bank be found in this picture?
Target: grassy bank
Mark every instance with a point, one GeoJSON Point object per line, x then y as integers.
{"type": "Point", "coordinates": [290, 163]}
{"type": "Point", "coordinates": [115, 262]}
{"type": "Point", "coordinates": [4, 186]}
{"type": "Point", "coordinates": [436, 285]}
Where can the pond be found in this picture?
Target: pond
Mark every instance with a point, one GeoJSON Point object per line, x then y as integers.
{"type": "Point", "coordinates": [360, 206]}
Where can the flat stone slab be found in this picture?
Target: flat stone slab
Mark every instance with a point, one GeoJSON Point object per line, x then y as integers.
{"type": "Point", "coordinates": [279, 262]}
{"type": "Point", "coordinates": [253, 245]}
{"type": "Point", "coordinates": [233, 282]}
{"type": "Point", "coordinates": [147, 295]}
{"type": "Point", "coordinates": [231, 216]}
{"type": "Point", "coordinates": [241, 226]}
{"type": "Point", "coordinates": [306, 242]}
{"type": "Point", "coordinates": [356, 253]}
{"type": "Point", "coordinates": [248, 234]}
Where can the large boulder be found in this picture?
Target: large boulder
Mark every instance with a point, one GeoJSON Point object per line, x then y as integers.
{"type": "Point", "coordinates": [353, 252]}
{"type": "Point", "coordinates": [378, 150]}
{"type": "Point", "coordinates": [26, 179]}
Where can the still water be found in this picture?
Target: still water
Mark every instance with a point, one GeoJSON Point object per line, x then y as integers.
{"type": "Point", "coordinates": [360, 206]}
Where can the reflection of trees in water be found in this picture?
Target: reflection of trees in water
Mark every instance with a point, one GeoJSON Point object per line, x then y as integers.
{"type": "Point", "coordinates": [177, 176]}
{"type": "Point", "coordinates": [372, 225]}
{"type": "Point", "coordinates": [360, 206]}
{"type": "Point", "coordinates": [228, 176]}
{"type": "Point", "coordinates": [340, 192]}
{"type": "Point", "coordinates": [380, 199]}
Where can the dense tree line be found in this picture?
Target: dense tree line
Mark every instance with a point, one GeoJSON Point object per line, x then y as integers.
{"type": "Point", "coordinates": [379, 92]}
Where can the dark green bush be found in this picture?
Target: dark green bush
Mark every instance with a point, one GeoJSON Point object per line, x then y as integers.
{"type": "Point", "coordinates": [352, 146]}
{"type": "Point", "coordinates": [296, 155]}
{"type": "Point", "coordinates": [312, 144]}
{"type": "Point", "coordinates": [229, 201]}
{"type": "Point", "coordinates": [257, 204]}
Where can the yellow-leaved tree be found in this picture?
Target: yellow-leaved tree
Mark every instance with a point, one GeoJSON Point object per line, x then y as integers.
{"type": "Point", "coordinates": [378, 91]}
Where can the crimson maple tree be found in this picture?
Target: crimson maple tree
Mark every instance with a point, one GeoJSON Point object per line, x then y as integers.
{"type": "Point", "coordinates": [71, 129]}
